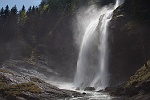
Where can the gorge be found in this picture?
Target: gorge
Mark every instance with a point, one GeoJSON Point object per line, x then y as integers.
{"type": "Point", "coordinates": [60, 48]}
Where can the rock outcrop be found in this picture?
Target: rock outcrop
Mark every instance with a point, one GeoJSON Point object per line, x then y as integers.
{"type": "Point", "coordinates": [138, 86]}
{"type": "Point", "coordinates": [129, 39]}
{"type": "Point", "coordinates": [14, 86]}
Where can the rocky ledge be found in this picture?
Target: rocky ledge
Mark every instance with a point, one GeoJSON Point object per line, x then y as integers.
{"type": "Point", "coordinates": [138, 86]}
{"type": "Point", "coordinates": [14, 86]}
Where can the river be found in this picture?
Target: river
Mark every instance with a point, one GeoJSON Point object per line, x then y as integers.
{"type": "Point", "coordinates": [88, 95]}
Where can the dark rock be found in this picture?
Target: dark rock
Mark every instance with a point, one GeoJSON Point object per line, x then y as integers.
{"type": "Point", "coordinates": [83, 93]}
{"type": "Point", "coordinates": [129, 29]}
{"type": "Point", "coordinates": [89, 89]}
{"type": "Point", "coordinates": [109, 89]}
{"type": "Point", "coordinates": [137, 87]}
{"type": "Point", "coordinates": [100, 91]}
{"type": "Point", "coordinates": [140, 97]}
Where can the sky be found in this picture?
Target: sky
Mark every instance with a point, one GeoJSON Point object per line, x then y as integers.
{"type": "Point", "coordinates": [19, 3]}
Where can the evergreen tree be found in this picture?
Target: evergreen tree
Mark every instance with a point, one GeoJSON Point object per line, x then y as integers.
{"type": "Point", "coordinates": [14, 10]}
{"type": "Point", "coordinates": [23, 8]}
{"type": "Point", "coordinates": [6, 11]}
{"type": "Point", "coordinates": [22, 15]}
{"type": "Point", "coordinates": [30, 9]}
{"type": "Point", "coordinates": [2, 12]}
{"type": "Point", "coordinates": [36, 9]}
{"type": "Point", "coordinates": [33, 9]}
{"type": "Point", "coordinates": [43, 3]}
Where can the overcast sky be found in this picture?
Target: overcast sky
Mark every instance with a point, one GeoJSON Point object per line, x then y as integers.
{"type": "Point", "coordinates": [19, 3]}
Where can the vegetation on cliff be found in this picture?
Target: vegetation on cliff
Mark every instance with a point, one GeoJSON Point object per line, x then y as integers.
{"type": "Point", "coordinates": [137, 87]}
{"type": "Point", "coordinates": [141, 76]}
{"type": "Point", "coordinates": [18, 89]}
{"type": "Point", "coordinates": [129, 39]}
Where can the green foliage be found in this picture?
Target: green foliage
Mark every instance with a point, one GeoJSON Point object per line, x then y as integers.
{"type": "Point", "coordinates": [2, 12]}
{"type": "Point", "coordinates": [30, 9]}
{"type": "Point", "coordinates": [6, 11]}
{"type": "Point", "coordinates": [61, 5]}
{"type": "Point", "coordinates": [19, 89]}
{"type": "Point", "coordinates": [141, 75]}
{"type": "Point", "coordinates": [14, 10]}
{"type": "Point", "coordinates": [3, 81]}
{"type": "Point", "coordinates": [34, 79]}
{"type": "Point", "coordinates": [6, 71]}
{"type": "Point", "coordinates": [23, 8]}
{"type": "Point", "coordinates": [22, 15]}
{"type": "Point", "coordinates": [32, 25]}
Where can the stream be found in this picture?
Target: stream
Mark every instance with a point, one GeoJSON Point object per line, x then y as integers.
{"type": "Point", "coordinates": [95, 96]}
{"type": "Point", "coordinates": [90, 95]}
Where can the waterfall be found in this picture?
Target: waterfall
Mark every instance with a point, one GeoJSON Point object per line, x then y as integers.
{"type": "Point", "coordinates": [92, 68]}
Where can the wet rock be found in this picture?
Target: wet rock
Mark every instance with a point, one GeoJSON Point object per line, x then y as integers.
{"type": "Point", "coordinates": [109, 89]}
{"type": "Point", "coordinates": [140, 97]}
{"type": "Point", "coordinates": [137, 87]}
{"type": "Point", "coordinates": [100, 91]}
{"type": "Point", "coordinates": [126, 27]}
{"type": "Point", "coordinates": [83, 93]}
{"type": "Point", "coordinates": [89, 89]}
{"type": "Point", "coordinates": [20, 87]}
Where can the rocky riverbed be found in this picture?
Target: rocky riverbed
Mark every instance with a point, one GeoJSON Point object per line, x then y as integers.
{"type": "Point", "coordinates": [14, 86]}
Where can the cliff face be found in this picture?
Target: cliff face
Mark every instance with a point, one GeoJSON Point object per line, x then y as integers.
{"type": "Point", "coordinates": [137, 87]}
{"type": "Point", "coordinates": [129, 39]}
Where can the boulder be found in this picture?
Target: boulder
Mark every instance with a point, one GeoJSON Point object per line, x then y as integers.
{"type": "Point", "coordinates": [83, 93]}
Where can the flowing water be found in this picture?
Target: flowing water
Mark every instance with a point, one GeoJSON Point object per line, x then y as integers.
{"type": "Point", "coordinates": [95, 96]}
{"type": "Point", "coordinates": [90, 95]}
{"type": "Point", "coordinates": [93, 57]}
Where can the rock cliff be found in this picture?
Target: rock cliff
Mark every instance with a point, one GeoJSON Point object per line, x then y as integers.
{"type": "Point", "coordinates": [129, 39]}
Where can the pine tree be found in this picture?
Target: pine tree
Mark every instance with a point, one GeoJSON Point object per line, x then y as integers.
{"type": "Point", "coordinates": [6, 11]}
{"type": "Point", "coordinates": [2, 12]}
{"type": "Point", "coordinates": [23, 8]}
{"type": "Point", "coordinates": [30, 9]}
{"type": "Point", "coordinates": [14, 10]}
{"type": "Point", "coordinates": [33, 9]}
{"type": "Point", "coordinates": [22, 15]}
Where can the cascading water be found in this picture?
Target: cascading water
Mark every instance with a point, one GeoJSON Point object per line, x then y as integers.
{"type": "Point", "coordinates": [93, 57]}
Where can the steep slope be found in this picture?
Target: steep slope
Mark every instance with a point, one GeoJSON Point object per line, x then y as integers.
{"type": "Point", "coordinates": [129, 39]}
{"type": "Point", "coordinates": [137, 87]}
{"type": "Point", "coordinates": [142, 75]}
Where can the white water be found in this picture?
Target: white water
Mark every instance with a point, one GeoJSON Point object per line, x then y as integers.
{"type": "Point", "coordinates": [93, 57]}
{"type": "Point", "coordinates": [90, 95]}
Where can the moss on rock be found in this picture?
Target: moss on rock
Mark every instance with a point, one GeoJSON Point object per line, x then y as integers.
{"type": "Point", "coordinates": [6, 71]}
{"type": "Point", "coordinates": [4, 80]}
{"type": "Point", "coordinates": [140, 76]}
{"type": "Point", "coordinates": [19, 89]}
{"type": "Point", "coordinates": [34, 79]}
